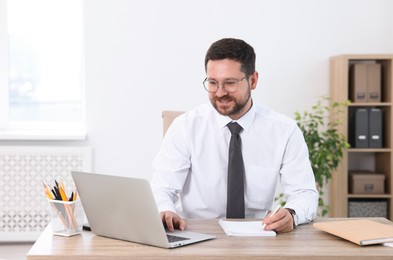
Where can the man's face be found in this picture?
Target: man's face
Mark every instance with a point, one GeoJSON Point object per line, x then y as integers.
{"type": "Point", "coordinates": [233, 104]}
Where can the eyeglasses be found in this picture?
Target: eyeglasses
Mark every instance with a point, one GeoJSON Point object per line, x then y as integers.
{"type": "Point", "coordinates": [229, 85]}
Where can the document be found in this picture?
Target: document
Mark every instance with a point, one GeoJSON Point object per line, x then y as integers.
{"type": "Point", "coordinates": [245, 228]}
{"type": "Point", "coordinates": [388, 244]}
{"type": "Point", "coordinates": [361, 231]}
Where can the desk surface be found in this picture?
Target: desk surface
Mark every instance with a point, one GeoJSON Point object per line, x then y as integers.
{"type": "Point", "coordinates": [305, 242]}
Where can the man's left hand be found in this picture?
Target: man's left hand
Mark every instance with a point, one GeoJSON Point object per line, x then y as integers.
{"type": "Point", "coordinates": [280, 222]}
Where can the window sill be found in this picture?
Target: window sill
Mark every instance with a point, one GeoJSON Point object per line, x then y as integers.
{"type": "Point", "coordinates": [43, 135]}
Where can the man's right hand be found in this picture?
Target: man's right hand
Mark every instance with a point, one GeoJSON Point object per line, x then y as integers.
{"type": "Point", "coordinates": [171, 220]}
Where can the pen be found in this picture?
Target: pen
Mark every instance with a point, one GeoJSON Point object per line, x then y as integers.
{"type": "Point", "coordinates": [71, 197]}
{"type": "Point", "coordinates": [274, 212]}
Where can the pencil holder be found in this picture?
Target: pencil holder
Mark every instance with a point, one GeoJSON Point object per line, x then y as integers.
{"type": "Point", "coordinates": [67, 217]}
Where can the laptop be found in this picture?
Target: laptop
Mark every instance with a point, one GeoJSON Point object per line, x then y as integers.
{"type": "Point", "coordinates": [124, 208]}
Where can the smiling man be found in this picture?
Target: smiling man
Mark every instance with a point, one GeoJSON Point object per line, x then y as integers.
{"type": "Point", "coordinates": [224, 160]}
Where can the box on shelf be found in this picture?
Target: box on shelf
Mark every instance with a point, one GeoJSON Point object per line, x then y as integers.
{"type": "Point", "coordinates": [366, 183]}
{"type": "Point", "coordinates": [367, 208]}
{"type": "Point", "coordinates": [365, 82]}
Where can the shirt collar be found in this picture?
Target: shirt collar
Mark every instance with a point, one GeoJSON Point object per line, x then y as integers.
{"type": "Point", "coordinates": [245, 121]}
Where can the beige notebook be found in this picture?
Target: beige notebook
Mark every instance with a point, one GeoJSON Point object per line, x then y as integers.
{"type": "Point", "coordinates": [361, 231]}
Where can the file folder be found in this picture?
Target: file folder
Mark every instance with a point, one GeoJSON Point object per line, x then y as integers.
{"type": "Point", "coordinates": [365, 82]}
{"type": "Point", "coordinates": [359, 231]}
{"type": "Point", "coordinates": [358, 82]}
{"type": "Point", "coordinates": [374, 82]}
{"type": "Point", "coordinates": [358, 128]}
{"type": "Point", "coordinates": [375, 128]}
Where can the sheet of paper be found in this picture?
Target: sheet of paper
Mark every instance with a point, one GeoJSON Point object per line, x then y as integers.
{"type": "Point", "coordinates": [388, 244]}
{"type": "Point", "coordinates": [244, 228]}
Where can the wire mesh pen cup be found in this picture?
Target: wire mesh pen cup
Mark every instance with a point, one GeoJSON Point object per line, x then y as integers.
{"type": "Point", "coordinates": [67, 217]}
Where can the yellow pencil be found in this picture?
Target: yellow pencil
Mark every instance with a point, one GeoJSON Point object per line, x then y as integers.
{"type": "Point", "coordinates": [75, 195]}
{"type": "Point", "coordinates": [63, 194]}
{"type": "Point", "coordinates": [46, 190]}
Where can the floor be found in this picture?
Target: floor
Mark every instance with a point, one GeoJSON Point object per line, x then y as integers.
{"type": "Point", "coordinates": [15, 251]}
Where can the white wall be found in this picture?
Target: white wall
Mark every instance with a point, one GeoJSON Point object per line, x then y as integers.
{"type": "Point", "coordinates": [146, 56]}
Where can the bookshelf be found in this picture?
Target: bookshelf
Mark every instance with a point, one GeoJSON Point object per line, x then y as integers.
{"type": "Point", "coordinates": [377, 160]}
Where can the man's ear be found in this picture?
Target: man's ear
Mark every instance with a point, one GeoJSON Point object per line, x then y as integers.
{"type": "Point", "coordinates": [254, 80]}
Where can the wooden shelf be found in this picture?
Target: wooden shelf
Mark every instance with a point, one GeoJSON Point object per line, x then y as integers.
{"type": "Point", "coordinates": [378, 159]}
{"type": "Point", "coordinates": [369, 150]}
{"type": "Point", "coordinates": [369, 196]}
{"type": "Point", "coordinates": [382, 104]}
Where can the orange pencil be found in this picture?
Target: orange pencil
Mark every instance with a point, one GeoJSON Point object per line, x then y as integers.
{"type": "Point", "coordinates": [62, 194]}
{"type": "Point", "coordinates": [75, 195]}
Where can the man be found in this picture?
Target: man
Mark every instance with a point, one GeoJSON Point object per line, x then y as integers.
{"type": "Point", "coordinates": [192, 164]}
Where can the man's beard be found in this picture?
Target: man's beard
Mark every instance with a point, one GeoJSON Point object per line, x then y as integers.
{"type": "Point", "coordinates": [239, 106]}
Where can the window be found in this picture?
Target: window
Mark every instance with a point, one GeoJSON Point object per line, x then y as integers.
{"type": "Point", "coordinates": [43, 62]}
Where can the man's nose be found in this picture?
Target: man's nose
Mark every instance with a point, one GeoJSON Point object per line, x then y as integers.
{"type": "Point", "coordinates": [221, 91]}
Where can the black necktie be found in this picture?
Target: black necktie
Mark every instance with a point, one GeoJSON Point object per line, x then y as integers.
{"type": "Point", "coordinates": [235, 193]}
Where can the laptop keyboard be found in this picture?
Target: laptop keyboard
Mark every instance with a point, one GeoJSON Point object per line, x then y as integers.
{"type": "Point", "coordinates": [172, 238]}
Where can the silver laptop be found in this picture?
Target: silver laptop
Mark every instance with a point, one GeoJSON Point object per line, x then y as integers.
{"type": "Point", "coordinates": [124, 208]}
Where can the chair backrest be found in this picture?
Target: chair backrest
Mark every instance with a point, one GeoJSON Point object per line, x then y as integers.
{"type": "Point", "coordinates": [168, 117]}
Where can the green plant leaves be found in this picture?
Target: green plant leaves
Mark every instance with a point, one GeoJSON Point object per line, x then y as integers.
{"type": "Point", "coordinates": [325, 143]}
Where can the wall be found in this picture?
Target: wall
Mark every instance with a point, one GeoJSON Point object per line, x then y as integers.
{"type": "Point", "coordinates": [146, 56]}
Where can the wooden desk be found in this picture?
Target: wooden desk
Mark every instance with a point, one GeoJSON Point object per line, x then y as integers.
{"type": "Point", "coordinates": [305, 242]}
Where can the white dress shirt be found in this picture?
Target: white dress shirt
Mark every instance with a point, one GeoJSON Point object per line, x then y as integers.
{"type": "Point", "coordinates": [192, 165]}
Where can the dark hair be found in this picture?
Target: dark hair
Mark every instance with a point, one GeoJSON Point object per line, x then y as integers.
{"type": "Point", "coordinates": [234, 49]}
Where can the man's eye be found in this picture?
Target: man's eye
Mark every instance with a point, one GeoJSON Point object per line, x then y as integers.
{"type": "Point", "coordinates": [213, 83]}
{"type": "Point", "coordinates": [230, 83]}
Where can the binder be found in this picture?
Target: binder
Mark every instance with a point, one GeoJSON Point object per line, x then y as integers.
{"type": "Point", "coordinates": [374, 82]}
{"type": "Point", "coordinates": [361, 232]}
{"type": "Point", "coordinates": [358, 82]}
{"type": "Point", "coordinates": [351, 127]}
{"type": "Point", "coordinates": [358, 128]}
{"type": "Point", "coordinates": [375, 128]}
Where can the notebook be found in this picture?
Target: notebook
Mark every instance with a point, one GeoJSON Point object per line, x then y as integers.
{"type": "Point", "coordinates": [124, 208]}
{"type": "Point", "coordinates": [361, 231]}
{"type": "Point", "coordinates": [245, 228]}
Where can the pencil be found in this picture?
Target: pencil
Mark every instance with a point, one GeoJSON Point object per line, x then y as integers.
{"type": "Point", "coordinates": [46, 190]}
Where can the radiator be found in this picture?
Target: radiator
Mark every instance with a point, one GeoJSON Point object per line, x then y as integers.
{"type": "Point", "coordinates": [24, 209]}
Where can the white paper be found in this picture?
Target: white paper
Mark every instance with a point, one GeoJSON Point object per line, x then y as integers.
{"type": "Point", "coordinates": [388, 244]}
{"type": "Point", "coordinates": [245, 228]}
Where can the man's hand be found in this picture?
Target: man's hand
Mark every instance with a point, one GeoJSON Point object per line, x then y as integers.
{"type": "Point", "coordinates": [280, 222]}
{"type": "Point", "coordinates": [171, 220]}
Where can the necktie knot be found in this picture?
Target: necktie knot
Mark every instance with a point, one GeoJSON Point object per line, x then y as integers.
{"type": "Point", "coordinates": [235, 128]}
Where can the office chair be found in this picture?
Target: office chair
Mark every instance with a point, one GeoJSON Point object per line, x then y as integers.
{"type": "Point", "coordinates": [168, 117]}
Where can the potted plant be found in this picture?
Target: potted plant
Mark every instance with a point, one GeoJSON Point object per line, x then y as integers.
{"type": "Point", "coordinates": [325, 143]}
